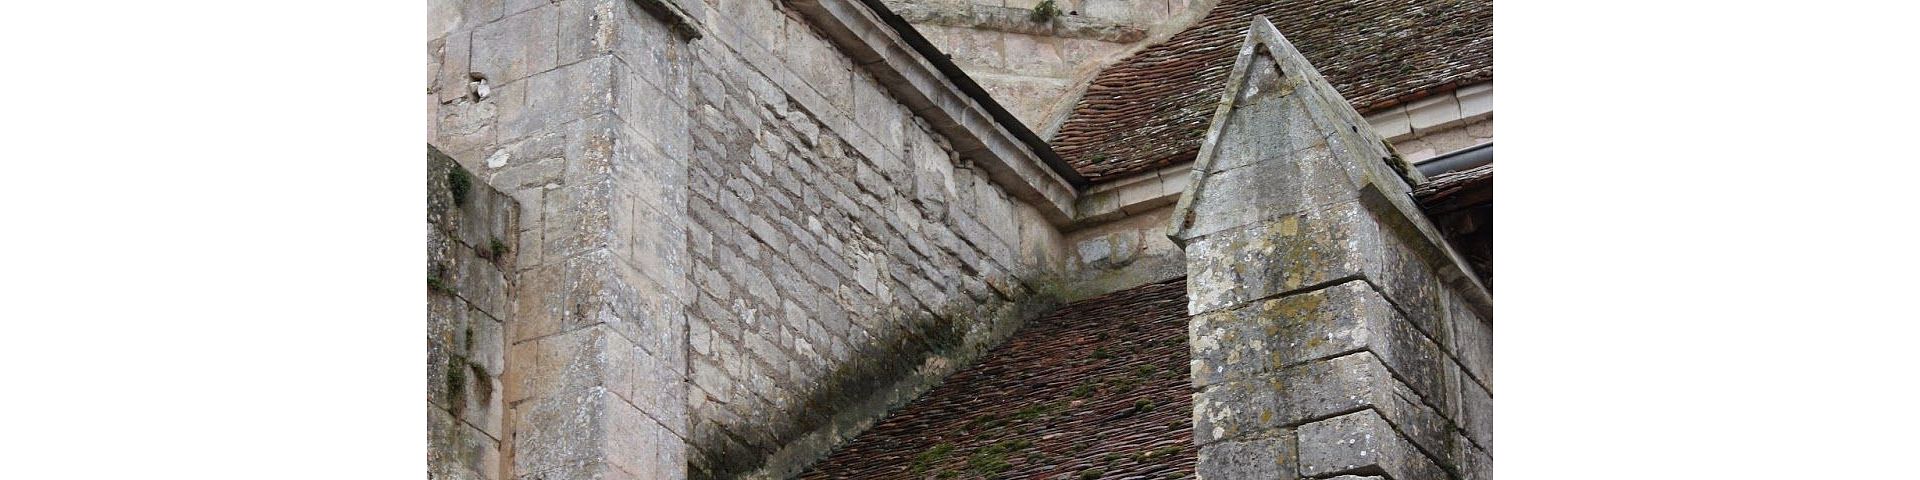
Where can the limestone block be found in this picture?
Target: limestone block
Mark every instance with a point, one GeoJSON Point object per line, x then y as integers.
{"type": "Point", "coordinates": [1361, 441]}
{"type": "Point", "coordinates": [478, 280]}
{"type": "Point", "coordinates": [517, 45]}
{"type": "Point", "coordinates": [974, 49]}
{"type": "Point", "coordinates": [1433, 112]}
{"type": "Point", "coordinates": [1391, 123]}
{"type": "Point", "coordinates": [1475, 100]}
{"type": "Point", "coordinates": [648, 382]}
{"type": "Point", "coordinates": [878, 114]}
{"type": "Point", "coordinates": [466, 125]}
{"type": "Point", "coordinates": [562, 95]}
{"type": "Point", "coordinates": [1479, 465]}
{"type": "Point", "coordinates": [1258, 406]}
{"type": "Point", "coordinates": [578, 219]}
{"type": "Point", "coordinates": [1271, 335]}
{"type": "Point", "coordinates": [1032, 55]}
{"type": "Point", "coordinates": [1476, 405]}
{"type": "Point", "coordinates": [996, 212]}
{"type": "Point", "coordinates": [1293, 188]}
{"type": "Point", "coordinates": [449, 16]}
{"type": "Point", "coordinates": [445, 319]}
{"type": "Point", "coordinates": [1114, 10]}
{"type": "Point", "coordinates": [1231, 267]}
{"type": "Point", "coordinates": [1407, 277]}
{"type": "Point", "coordinates": [640, 445]}
{"type": "Point", "coordinates": [1472, 341]}
{"type": "Point", "coordinates": [561, 436]}
{"type": "Point", "coordinates": [456, 450]}
{"type": "Point", "coordinates": [1264, 458]}
{"type": "Point", "coordinates": [454, 70]}
{"type": "Point", "coordinates": [818, 64]}
{"type": "Point", "coordinates": [531, 162]}
{"type": "Point", "coordinates": [558, 366]}
{"type": "Point", "coordinates": [588, 28]}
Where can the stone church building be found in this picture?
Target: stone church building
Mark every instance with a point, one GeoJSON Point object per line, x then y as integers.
{"type": "Point", "coordinates": [909, 239]}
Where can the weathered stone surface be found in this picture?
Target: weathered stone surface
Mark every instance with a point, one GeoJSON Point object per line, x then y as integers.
{"type": "Point", "coordinates": [1476, 406]}
{"type": "Point", "coordinates": [1266, 404]}
{"type": "Point", "coordinates": [468, 227]}
{"type": "Point", "coordinates": [1264, 458]}
{"type": "Point", "coordinates": [516, 46]}
{"type": "Point", "coordinates": [1472, 341]}
{"type": "Point", "coordinates": [455, 450]}
{"type": "Point", "coordinates": [1323, 303]}
{"type": "Point", "coordinates": [1361, 442]}
{"type": "Point", "coordinates": [556, 436]}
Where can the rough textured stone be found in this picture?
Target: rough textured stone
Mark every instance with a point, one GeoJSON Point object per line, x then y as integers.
{"type": "Point", "coordinates": [1266, 458]}
{"type": "Point", "coordinates": [1361, 442]}
{"type": "Point", "coordinates": [1321, 310]}
{"type": "Point", "coordinates": [469, 229]}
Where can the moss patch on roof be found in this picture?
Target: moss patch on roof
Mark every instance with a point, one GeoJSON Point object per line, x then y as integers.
{"type": "Point", "coordinates": [1096, 389]}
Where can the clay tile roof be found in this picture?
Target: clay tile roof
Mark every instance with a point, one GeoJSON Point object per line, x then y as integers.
{"type": "Point", "coordinates": [1099, 384]}
{"type": "Point", "coordinates": [1152, 109]}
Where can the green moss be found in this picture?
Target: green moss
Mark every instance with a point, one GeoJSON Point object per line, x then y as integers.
{"type": "Point", "coordinates": [1083, 390]}
{"type": "Point", "coordinates": [985, 422]}
{"type": "Point", "coordinates": [1144, 457]}
{"type": "Point", "coordinates": [457, 384]}
{"type": "Point", "coordinates": [925, 460]}
{"type": "Point", "coordinates": [1145, 371]}
{"type": "Point", "coordinates": [1044, 11]}
{"type": "Point", "coordinates": [459, 183]}
{"type": "Point", "coordinates": [1142, 406]}
{"type": "Point", "coordinates": [437, 280]}
{"type": "Point", "coordinates": [1035, 411]}
{"type": "Point", "coordinates": [992, 460]}
{"type": "Point", "coordinates": [496, 248]}
{"type": "Point", "coordinates": [1092, 473]}
{"type": "Point", "coordinates": [988, 464]}
{"type": "Point", "coordinates": [1101, 354]}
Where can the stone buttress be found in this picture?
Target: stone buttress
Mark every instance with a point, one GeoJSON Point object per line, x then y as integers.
{"type": "Point", "coordinates": [1334, 331]}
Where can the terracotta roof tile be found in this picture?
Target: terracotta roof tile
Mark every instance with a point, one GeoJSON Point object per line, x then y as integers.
{"type": "Point", "coordinates": [1152, 109]}
{"type": "Point", "coordinates": [1099, 384]}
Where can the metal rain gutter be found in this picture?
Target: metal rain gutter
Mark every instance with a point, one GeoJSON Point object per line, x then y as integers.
{"type": "Point", "coordinates": [1457, 160]}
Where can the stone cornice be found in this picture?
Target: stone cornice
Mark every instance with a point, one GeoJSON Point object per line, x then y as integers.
{"type": "Point", "coordinates": [1015, 162]}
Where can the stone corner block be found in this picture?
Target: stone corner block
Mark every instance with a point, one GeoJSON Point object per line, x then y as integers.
{"type": "Point", "coordinates": [1361, 443]}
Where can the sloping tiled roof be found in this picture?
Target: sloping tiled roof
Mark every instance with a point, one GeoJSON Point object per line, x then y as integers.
{"type": "Point", "coordinates": [1096, 389]}
{"type": "Point", "coordinates": [1152, 108]}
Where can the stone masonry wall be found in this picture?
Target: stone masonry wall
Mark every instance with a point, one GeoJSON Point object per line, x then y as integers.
{"type": "Point", "coordinates": [1334, 332]}
{"type": "Point", "coordinates": [576, 109]}
{"type": "Point", "coordinates": [844, 258]}
{"type": "Point", "coordinates": [470, 228]}
{"type": "Point", "coordinates": [721, 213]}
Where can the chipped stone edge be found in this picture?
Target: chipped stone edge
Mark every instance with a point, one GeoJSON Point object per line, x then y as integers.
{"type": "Point", "coordinates": [873, 45]}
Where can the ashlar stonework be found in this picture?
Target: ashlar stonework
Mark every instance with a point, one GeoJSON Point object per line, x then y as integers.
{"type": "Point", "coordinates": [713, 239]}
